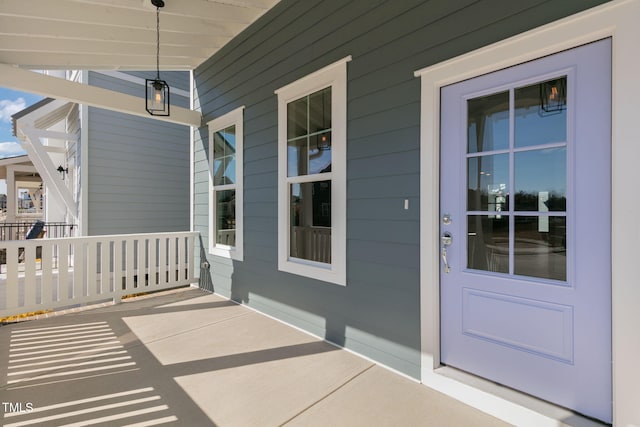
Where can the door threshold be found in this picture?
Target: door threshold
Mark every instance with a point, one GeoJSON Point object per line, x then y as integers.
{"type": "Point", "coordinates": [503, 402]}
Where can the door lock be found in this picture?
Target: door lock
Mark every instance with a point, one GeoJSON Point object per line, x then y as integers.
{"type": "Point", "coordinates": [446, 241]}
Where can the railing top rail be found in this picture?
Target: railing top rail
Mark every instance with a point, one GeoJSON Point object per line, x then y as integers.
{"type": "Point", "coordinates": [101, 238]}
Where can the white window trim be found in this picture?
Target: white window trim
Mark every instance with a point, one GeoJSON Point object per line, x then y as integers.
{"type": "Point", "coordinates": [334, 75]}
{"type": "Point", "coordinates": [618, 20]}
{"type": "Point", "coordinates": [236, 252]}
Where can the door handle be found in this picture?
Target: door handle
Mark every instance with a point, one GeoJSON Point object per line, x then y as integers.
{"type": "Point", "coordinates": [446, 241]}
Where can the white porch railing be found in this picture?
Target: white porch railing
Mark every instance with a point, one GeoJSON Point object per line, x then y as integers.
{"type": "Point", "coordinates": [47, 274]}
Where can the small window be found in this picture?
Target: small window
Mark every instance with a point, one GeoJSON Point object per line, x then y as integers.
{"type": "Point", "coordinates": [312, 175]}
{"type": "Point", "coordinates": [225, 178]}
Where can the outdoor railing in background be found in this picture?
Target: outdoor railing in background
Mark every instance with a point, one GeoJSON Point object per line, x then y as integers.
{"type": "Point", "coordinates": [85, 270]}
{"type": "Point", "coordinates": [19, 230]}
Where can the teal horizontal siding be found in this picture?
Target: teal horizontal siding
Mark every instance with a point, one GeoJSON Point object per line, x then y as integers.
{"type": "Point", "coordinates": [377, 313]}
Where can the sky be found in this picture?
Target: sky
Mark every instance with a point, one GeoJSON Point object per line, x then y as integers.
{"type": "Point", "coordinates": [11, 102]}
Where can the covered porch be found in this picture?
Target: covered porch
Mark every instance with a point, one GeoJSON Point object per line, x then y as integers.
{"type": "Point", "coordinates": [188, 357]}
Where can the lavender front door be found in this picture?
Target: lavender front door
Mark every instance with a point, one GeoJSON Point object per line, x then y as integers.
{"type": "Point", "coordinates": [525, 228]}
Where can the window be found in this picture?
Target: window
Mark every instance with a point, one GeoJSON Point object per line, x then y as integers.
{"type": "Point", "coordinates": [225, 182]}
{"type": "Point", "coordinates": [312, 207]}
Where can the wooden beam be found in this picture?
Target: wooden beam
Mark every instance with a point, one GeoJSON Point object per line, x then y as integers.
{"type": "Point", "coordinates": [53, 87]}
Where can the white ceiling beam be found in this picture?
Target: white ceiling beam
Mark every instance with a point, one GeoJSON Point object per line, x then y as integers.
{"type": "Point", "coordinates": [53, 87]}
{"type": "Point", "coordinates": [128, 4]}
{"type": "Point", "coordinates": [13, 43]}
{"type": "Point", "coordinates": [58, 30]}
{"type": "Point", "coordinates": [54, 61]}
{"type": "Point", "coordinates": [228, 17]}
{"type": "Point", "coordinates": [227, 10]}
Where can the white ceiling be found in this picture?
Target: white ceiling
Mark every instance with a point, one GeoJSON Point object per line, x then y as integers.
{"type": "Point", "coordinates": [119, 34]}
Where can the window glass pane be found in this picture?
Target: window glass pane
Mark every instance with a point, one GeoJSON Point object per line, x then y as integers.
{"type": "Point", "coordinates": [487, 183]}
{"type": "Point", "coordinates": [320, 153]}
{"type": "Point", "coordinates": [310, 233]}
{"type": "Point", "coordinates": [297, 118]}
{"type": "Point", "coordinates": [488, 123]}
{"type": "Point", "coordinates": [297, 157]}
{"type": "Point", "coordinates": [309, 144]}
{"type": "Point", "coordinates": [224, 170]}
{"type": "Point", "coordinates": [218, 144]}
{"type": "Point", "coordinates": [541, 180]}
{"type": "Point", "coordinates": [540, 247]}
{"type": "Point", "coordinates": [320, 110]}
{"type": "Point", "coordinates": [230, 139]}
{"type": "Point", "coordinates": [541, 113]}
{"type": "Point", "coordinates": [488, 243]}
{"type": "Point", "coordinates": [226, 217]}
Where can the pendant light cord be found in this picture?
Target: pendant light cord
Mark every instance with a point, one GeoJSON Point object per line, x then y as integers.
{"type": "Point", "coordinates": [158, 42]}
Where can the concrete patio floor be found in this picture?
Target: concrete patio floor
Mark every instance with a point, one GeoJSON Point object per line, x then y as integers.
{"type": "Point", "coordinates": [191, 358]}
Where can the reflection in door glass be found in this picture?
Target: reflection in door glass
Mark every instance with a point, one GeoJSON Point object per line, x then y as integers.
{"type": "Point", "coordinates": [488, 123]}
{"type": "Point", "coordinates": [541, 113]}
{"type": "Point", "coordinates": [488, 243]}
{"type": "Point", "coordinates": [487, 183]}
{"type": "Point", "coordinates": [541, 180]}
{"type": "Point", "coordinates": [541, 247]}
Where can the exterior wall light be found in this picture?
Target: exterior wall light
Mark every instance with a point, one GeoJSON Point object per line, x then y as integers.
{"type": "Point", "coordinates": [62, 171]}
{"type": "Point", "coordinates": [157, 90]}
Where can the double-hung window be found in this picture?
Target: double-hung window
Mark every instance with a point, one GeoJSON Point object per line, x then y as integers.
{"type": "Point", "coordinates": [312, 162]}
{"type": "Point", "coordinates": [225, 181]}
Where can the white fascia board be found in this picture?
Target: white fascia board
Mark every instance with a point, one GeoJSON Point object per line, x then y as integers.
{"type": "Point", "coordinates": [53, 87]}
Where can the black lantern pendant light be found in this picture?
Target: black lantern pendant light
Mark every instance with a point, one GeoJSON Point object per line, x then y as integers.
{"type": "Point", "coordinates": [156, 90]}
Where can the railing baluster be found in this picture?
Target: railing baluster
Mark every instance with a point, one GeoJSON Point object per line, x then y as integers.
{"type": "Point", "coordinates": [29, 283]}
{"type": "Point", "coordinates": [79, 261]}
{"type": "Point", "coordinates": [63, 271]}
{"type": "Point", "coordinates": [47, 274]}
{"type": "Point", "coordinates": [162, 261]}
{"type": "Point", "coordinates": [130, 264]}
{"type": "Point", "coordinates": [91, 267]}
{"type": "Point", "coordinates": [117, 267]}
{"type": "Point", "coordinates": [171, 265]}
{"type": "Point", "coordinates": [153, 260]}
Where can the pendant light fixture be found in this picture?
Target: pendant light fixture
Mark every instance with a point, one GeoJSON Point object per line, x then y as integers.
{"type": "Point", "coordinates": [156, 90]}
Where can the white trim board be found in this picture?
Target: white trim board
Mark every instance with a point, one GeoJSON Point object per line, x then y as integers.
{"type": "Point", "coordinates": [618, 20]}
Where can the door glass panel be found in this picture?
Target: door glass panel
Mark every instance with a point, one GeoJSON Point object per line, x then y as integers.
{"type": "Point", "coordinates": [487, 183]}
{"type": "Point", "coordinates": [488, 243]}
{"type": "Point", "coordinates": [488, 123]}
{"type": "Point", "coordinates": [536, 245]}
{"type": "Point", "coordinates": [541, 180]}
{"type": "Point", "coordinates": [541, 113]}
{"type": "Point", "coordinates": [540, 247]}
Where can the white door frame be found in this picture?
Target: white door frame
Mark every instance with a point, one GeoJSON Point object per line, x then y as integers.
{"type": "Point", "coordinates": [618, 20]}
